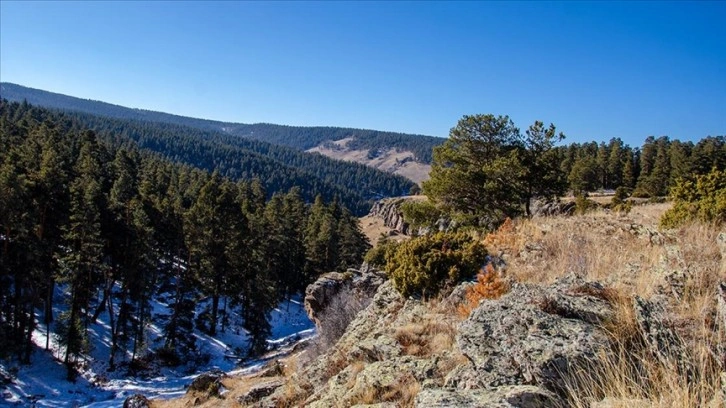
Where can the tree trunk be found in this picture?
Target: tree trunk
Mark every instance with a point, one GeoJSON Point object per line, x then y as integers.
{"type": "Point", "coordinates": [48, 313]}
{"type": "Point", "coordinates": [111, 323]}
{"type": "Point", "coordinates": [215, 306]}
{"type": "Point", "coordinates": [102, 304]}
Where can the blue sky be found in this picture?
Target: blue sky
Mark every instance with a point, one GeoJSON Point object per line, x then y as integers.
{"type": "Point", "coordinates": [597, 70]}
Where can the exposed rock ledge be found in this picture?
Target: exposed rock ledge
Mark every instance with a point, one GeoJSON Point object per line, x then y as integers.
{"type": "Point", "coordinates": [517, 349]}
{"type": "Point", "coordinates": [389, 210]}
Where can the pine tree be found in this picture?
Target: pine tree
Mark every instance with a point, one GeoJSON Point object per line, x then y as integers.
{"type": "Point", "coordinates": [82, 266]}
{"type": "Point", "coordinates": [680, 161]}
{"type": "Point", "coordinates": [629, 170]}
{"type": "Point", "coordinates": [616, 163]}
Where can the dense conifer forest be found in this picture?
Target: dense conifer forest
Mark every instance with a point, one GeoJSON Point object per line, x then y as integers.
{"type": "Point", "coordinates": [114, 225]}
{"type": "Point", "coordinates": [298, 137]}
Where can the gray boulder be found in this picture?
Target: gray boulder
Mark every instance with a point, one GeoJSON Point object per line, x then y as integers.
{"type": "Point", "coordinates": [259, 391]}
{"type": "Point", "coordinates": [363, 283]}
{"type": "Point", "coordinates": [137, 401]}
{"type": "Point", "coordinates": [532, 335]}
{"type": "Point", "coordinates": [208, 384]}
{"type": "Point", "coordinates": [520, 396]}
{"type": "Point", "coordinates": [663, 342]}
{"type": "Point", "coordinates": [549, 208]}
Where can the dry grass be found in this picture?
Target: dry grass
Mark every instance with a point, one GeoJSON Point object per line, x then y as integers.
{"type": "Point", "coordinates": [631, 257]}
{"type": "Point", "coordinates": [403, 393]}
{"type": "Point", "coordinates": [425, 339]}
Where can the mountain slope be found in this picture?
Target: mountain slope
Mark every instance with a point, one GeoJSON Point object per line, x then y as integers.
{"type": "Point", "coordinates": [299, 137]}
{"type": "Point", "coordinates": [279, 168]}
{"type": "Point", "coordinates": [391, 160]}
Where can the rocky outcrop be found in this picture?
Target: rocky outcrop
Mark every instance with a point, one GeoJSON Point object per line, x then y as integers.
{"type": "Point", "coordinates": [357, 285]}
{"type": "Point", "coordinates": [259, 391]}
{"type": "Point", "coordinates": [533, 335]}
{"type": "Point", "coordinates": [205, 386]}
{"type": "Point", "coordinates": [549, 208]}
{"type": "Point", "coordinates": [661, 339]}
{"type": "Point", "coordinates": [137, 401]}
{"type": "Point", "coordinates": [389, 210]}
{"type": "Point", "coordinates": [520, 396]}
{"type": "Point", "coordinates": [516, 350]}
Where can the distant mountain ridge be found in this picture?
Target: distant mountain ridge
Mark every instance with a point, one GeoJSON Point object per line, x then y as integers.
{"type": "Point", "coordinates": [299, 137]}
{"type": "Point", "coordinates": [279, 168]}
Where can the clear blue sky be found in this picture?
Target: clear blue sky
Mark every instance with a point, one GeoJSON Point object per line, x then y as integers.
{"type": "Point", "coordinates": [597, 70]}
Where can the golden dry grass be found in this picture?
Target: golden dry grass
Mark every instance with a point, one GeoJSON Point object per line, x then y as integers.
{"type": "Point", "coordinates": [427, 338]}
{"type": "Point", "coordinates": [631, 257]}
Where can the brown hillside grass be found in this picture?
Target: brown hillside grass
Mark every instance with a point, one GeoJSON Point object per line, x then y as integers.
{"type": "Point", "coordinates": [631, 257]}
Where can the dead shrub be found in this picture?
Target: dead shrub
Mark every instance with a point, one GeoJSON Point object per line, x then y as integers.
{"type": "Point", "coordinates": [505, 238]}
{"type": "Point", "coordinates": [334, 320]}
{"type": "Point", "coordinates": [489, 285]}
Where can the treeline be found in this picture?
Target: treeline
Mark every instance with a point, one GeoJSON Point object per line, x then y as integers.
{"type": "Point", "coordinates": [117, 227]}
{"type": "Point", "coordinates": [489, 170]}
{"type": "Point", "coordinates": [298, 137]}
{"type": "Point", "coordinates": [279, 168]}
{"type": "Point", "coordinates": [648, 171]}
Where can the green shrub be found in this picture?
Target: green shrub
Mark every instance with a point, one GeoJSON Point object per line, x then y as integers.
{"type": "Point", "coordinates": [424, 265]}
{"type": "Point", "coordinates": [420, 213]}
{"type": "Point", "coordinates": [619, 202]}
{"type": "Point", "coordinates": [583, 204]}
{"type": "Point", "coordinates": [376, 256]}
{"type": "Point", "coordinates": [703, 198]}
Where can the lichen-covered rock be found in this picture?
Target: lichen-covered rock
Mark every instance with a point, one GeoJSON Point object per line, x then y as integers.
{"type": "Point", "coordinates": [663, 342]}
{"type": "Point", "coordinates": [532, 335]}
{"type": "Point", "coordinates": [548, 208]}
{"type": "Point", "coordinates": [380, 378]}
{"type": "Point", "coordinates": [361, 284]}
{"type": "Point", "coordinates": [320, 293]}
{"type": "Point", "coordinates": [137, 401]}
{"type": "Point", "coordinates": [259, 391]}
{"type": "Point", "coordinates": [207, 384]}
{"type": "Point", "coordinates": [520, 396]}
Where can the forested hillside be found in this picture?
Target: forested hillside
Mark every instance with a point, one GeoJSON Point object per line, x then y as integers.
{"type": "Point", "coordinates": [279, 168]}
{"type": "Point", "coordinates": [114, 226]}
{"type": "Point", "coordinates": [299, 137]}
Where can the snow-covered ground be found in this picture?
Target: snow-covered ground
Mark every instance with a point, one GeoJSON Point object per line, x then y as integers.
{"type": "Point", "coordinates": [44, 384]}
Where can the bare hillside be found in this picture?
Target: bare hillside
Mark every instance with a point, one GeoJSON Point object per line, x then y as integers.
{"type": "Point", "coordinates": [390, 160]}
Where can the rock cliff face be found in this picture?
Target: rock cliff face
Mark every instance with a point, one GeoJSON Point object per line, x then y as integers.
{"type": "Point", "coordinates": [390, 211]}
{"type": "Point", "coordinates": [332, 289]}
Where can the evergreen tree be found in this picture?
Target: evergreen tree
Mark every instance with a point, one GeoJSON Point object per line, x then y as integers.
{"type": "Point", "coordinates": [473, 171]}
{"type": "Point", "coordinates": [680, 161]}
{"type": "Point", "coordinates": [541, 177]}
{"type": "Point", "coordinates": [616, 163]}
{"type": "Point", "coordinates": [82, 264]}
{"type": "Point", "coordinates": [629, 170]}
